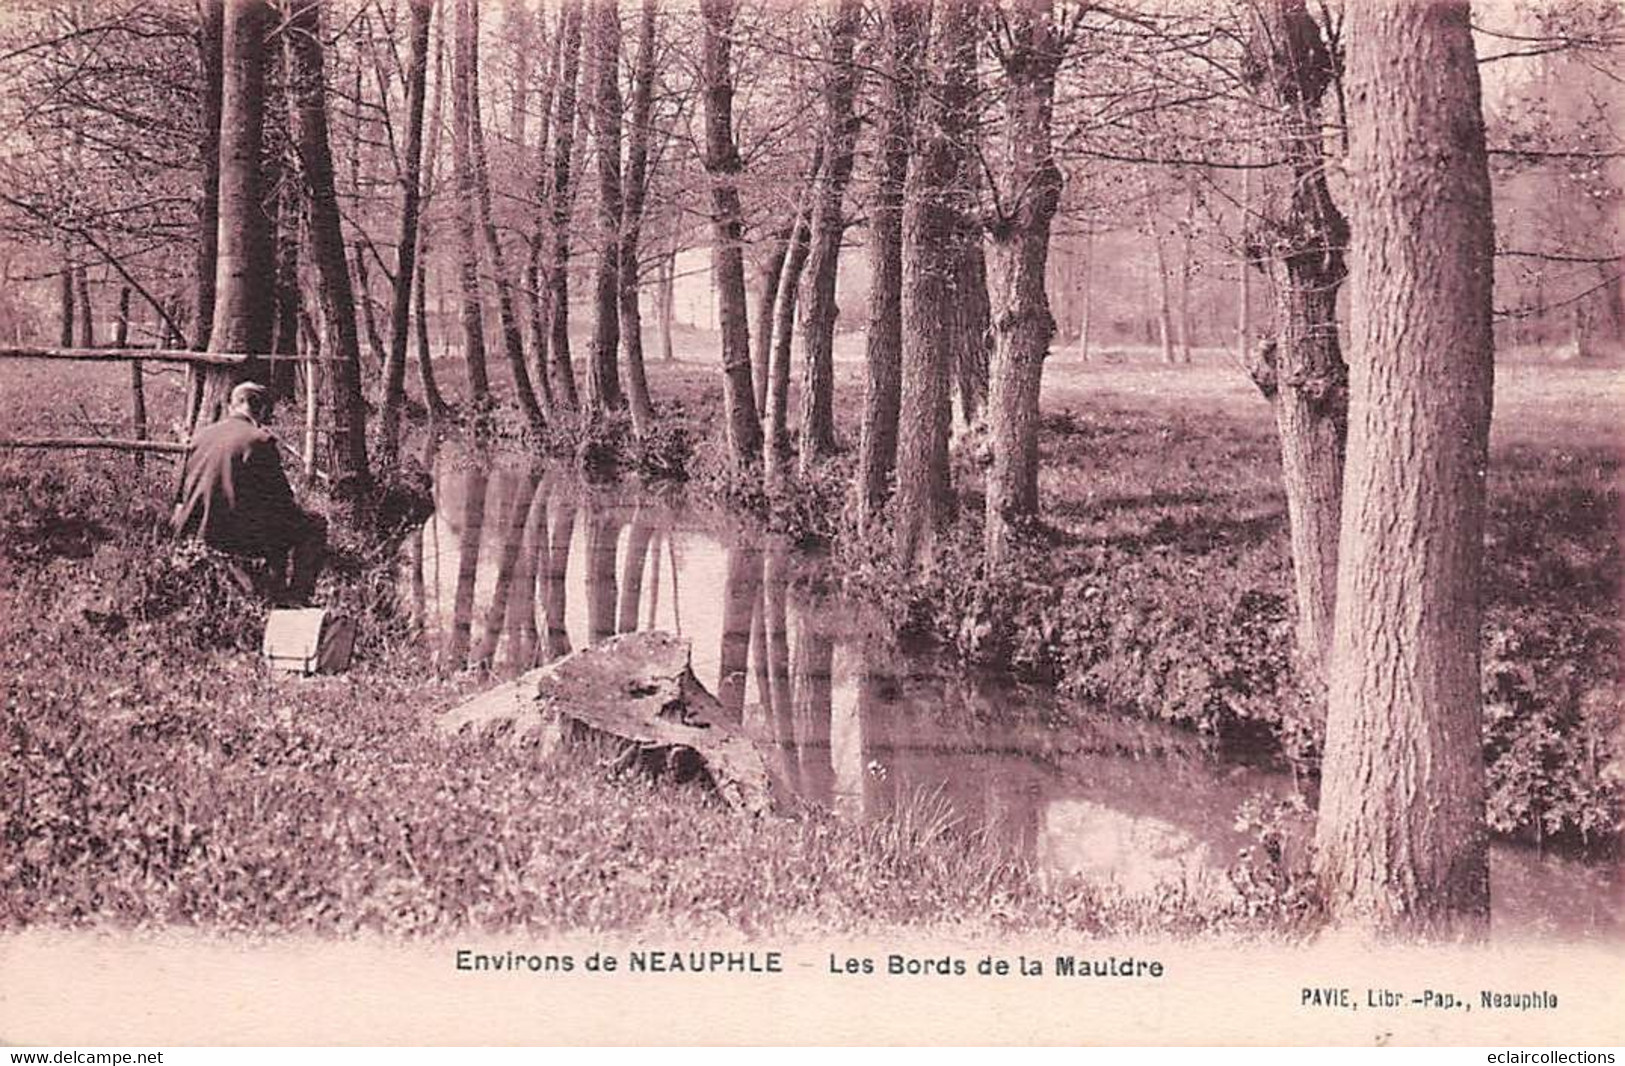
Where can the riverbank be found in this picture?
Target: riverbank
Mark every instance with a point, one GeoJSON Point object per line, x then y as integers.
{"type": "Point", "coordinates": [1160, 583]}
{"type": "Point", "coordinates": [169, 780]}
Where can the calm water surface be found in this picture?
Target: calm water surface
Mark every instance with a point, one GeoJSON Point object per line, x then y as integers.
{"type": "Point", "coordinates": [521, 565]}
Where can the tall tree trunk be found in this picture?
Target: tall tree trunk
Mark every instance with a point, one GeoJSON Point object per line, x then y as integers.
{"type": "Point", "coordinates": [87, 311]}
{"type": "Point", "coordinates": [347, 445]}
{"type": "Point", "coordinates": [883, 340]}
{"type": "Point", "coordinates": [1032, 192]}
{"type": "Point", "coordinates": [668, 301]}
{"type": "Point", "coordinates": [245, 262]}
{"type": "Point", "coordinates": [767, 298]}
{"type": "Point", "coordinates": [400, 309]}
{"type": "Point", "coordinates": [211, 31]}
{"type": "Point", "coordinates": [473, 303]}
{"type": "Point", "coordinates": [438, 407]}
{"type": "Point", "coordinates": [972, 327]}
{"type": "Point", "coordinates": [1187, 242]}
{"type": "Point", "coordinates": [934, 213]}
{"type": "Point", "coordinates": [534, 282]}
{"type": "Point", "coordinates": [1087, 287]}
{"type": "Point", "coordinates": [364, 303]}
{"type": "Point", "coordinates": [637, 186]}
{"type": "Point", "coordinates": [819, 310]}
{"type": "Point", "coordinates": [512, 339]}
{"type": "Point", "coordinates": [288, 298]}
{"type": "Point", "coordinates": [1401, 842]}
{"type": "Point", "coordinates": [561, 198]}
{"type": "Point", "coordinates": [1300, 236]}
{"type": "Point", "coordinates": [777, 423]}
{"type": "Point", "coordinates": [517, 31]}
{"type": "Point", "coordinates": [65, 301]}
{"type": "Point", "coordinates": [604, 376]}
{"type": "Point", "coordinates": [1165, 314]}
{"type": "Point", "coordinates": [1244, 291]}
{"type": "Point", "coordinates": [723, 165]}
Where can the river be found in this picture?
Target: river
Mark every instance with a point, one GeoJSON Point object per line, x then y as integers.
{"type": "Point", "coordinates": [520, 565]}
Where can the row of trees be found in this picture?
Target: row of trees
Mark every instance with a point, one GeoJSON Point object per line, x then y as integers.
{"type": "Point", "coordinates": [947, 129]}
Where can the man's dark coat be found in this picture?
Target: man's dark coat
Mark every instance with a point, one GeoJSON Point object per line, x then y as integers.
{"type": "Point", "coordinates": [234, 494]}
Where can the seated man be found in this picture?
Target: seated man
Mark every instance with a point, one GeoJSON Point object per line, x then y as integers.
{"type": "Point", "coordinates": [236, 499]}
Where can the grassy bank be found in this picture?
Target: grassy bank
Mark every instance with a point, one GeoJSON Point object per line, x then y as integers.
{"type": "Point", "coordinates": [157, 775]}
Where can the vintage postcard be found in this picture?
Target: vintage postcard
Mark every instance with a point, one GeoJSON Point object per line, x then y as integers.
{"type": "Point", "coordinates": [826, 522]}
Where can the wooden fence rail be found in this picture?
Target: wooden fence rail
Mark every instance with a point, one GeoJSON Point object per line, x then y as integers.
{"type": "Point", "coordinates": [104, 443]}
{"type": "Point", "coordinates": [162, 355]}
{"type": "Point", "coordinates": [158, 355]}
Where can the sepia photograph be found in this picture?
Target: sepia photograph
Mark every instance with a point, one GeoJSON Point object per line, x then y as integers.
{"type": "Point", "coordinates": [811, 522]}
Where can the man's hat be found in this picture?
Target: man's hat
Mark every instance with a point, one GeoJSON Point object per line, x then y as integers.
{"type": "Point", "coordinates": [251, 394]}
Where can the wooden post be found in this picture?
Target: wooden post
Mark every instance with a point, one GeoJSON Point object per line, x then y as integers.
{"type": "Point", "coordinates": [312, 368]}
{"type": "Point", "coordinates": [138, 390]}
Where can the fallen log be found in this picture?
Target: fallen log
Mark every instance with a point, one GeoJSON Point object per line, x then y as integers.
{"type": "Point", "coordinates": [637, 691]}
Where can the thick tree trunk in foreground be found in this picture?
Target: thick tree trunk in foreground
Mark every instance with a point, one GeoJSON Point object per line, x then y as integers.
{"type": "Point", "coordinates": [1032, 183]}
{"type": "Point", "coordinates": [637, 185]}
{"type": "Point", "coordinates": [934, 214]}
{"type": "Point", "coordinates": [464, 195]}
{"type": "Point", "coordinates": [1401, 841]}
{"type": "Point", "coordinates": [723, 166]}
{"type": "Point", "coordinates": [1300, 236]}
{"type": "Point", "coordinates": [245, 262]}
{"type": "Point", "coordinates": [603, 371]}
{"type": "Point", "coordinates": [400, 310]}
{"type": "Point", "coordinates": [819, 310]}
{"type": "Point", "coordinates": [347, 444]}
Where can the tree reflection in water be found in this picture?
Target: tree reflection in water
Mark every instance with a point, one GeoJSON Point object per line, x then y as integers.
{"type": "Point", "coordinates": [846, 721]}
